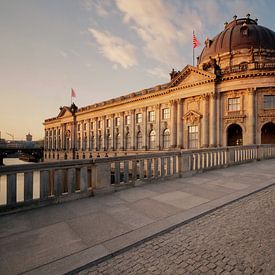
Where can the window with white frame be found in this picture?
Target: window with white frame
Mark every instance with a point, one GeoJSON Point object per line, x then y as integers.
{"type": "Point", "coordinates": [128, 120]}
{"type": "Point", "coordinates": [108, 123]}
{"type": "Point", "coordinates": [234, 104]}
{"type": "Point", "coordinates": [117, 121]}
{"type": "Point", "coordinates": [138, 118]}
{"type": "Point", "coordinates": [193, 136]}
{"type": "Point", "coordinates": [269, 102]}
{"type": "Point", "coordinates": [152, 116]}
{"type": "Point", "coordinates": [165, 113]}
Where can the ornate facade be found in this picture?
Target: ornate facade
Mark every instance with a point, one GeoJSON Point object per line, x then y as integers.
{"type": "Point", "coordinates": [227, 100]}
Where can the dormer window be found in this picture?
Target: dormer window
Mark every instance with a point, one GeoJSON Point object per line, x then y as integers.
{"type": "Point", "coordinates": [244, 30]}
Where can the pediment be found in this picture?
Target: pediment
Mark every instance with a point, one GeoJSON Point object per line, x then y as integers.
{"type": "Point", "coordinates": [64, 112]}
{"type": "Point", "coordinates": [192, 117]}
{"type": "Point", "coordinates": [191, 75]}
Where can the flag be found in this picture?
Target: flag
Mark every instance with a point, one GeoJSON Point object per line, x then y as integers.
{"type": "Point", "coordinates": [73, 93]}
{"type": "Point", "coordinates": [196, 42]}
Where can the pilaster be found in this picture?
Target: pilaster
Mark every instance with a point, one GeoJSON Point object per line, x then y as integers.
{"type": "Point", "coordinates": [213, 120]}
{"type": "Point", "coordinates": [180, 124]}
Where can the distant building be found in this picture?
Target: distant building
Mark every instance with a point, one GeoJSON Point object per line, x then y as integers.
{"type": "Point", "coordinates": [29, 137]}
{"type": "Point", "coordinates": [227, 100]}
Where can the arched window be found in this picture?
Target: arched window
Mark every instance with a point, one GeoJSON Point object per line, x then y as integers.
{"type": "Point", "coordinates": [78, 142]}
{"type": "Point", "coordinates": [128, 141]}
{"type": "Point", "coordinates": [139, 141]}
{"type": "Point", "coordinates": [152, 140]}
{"type": "Point", "coordinates": [109, 142]}
{"type": "Point", "coordinates": [92, 142]}
{"type": "Point", "coordinates": [118, 141]}
{"type": "Point", "coordinates": [166, 139]}
{"type": "Point", "coordinates": [99, 141]}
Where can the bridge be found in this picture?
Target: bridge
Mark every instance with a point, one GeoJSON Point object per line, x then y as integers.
{"type": "Point", "coordinates": [14, 152]}
{"type": "Point", "coordinates": [155, 192]}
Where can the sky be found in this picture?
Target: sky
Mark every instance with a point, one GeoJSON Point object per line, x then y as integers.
{"type": "Point", "coordinates": [101, 48]}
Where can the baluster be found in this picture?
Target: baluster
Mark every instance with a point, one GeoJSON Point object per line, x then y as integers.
{"type": "Point", "coordinates": [36, 184]}
{"type": "Point", "coordinates": [58, 175]}
{"type": "Point", "coordinates": [3, 189]}
{"type": "Point", "coordinates": [156, 163]}
{"type": "Point", "coordinates": [126, 171]}
{"type": "Point", "coordinates": [141, 168]}
{"type": "Point", "coordinates": [28, 186]}
{"type": "Point", "coordinates": [162, 167]}
{"type": "Point", "coordinates": [134, 170]}
{"type": "Point", "coordinates": [71, 180]}
{"type": "Point", "coordinates": [117, 172]}
{"type": "Point", "coordinates": [149, 168]}
{"type": "Point", "coordinates": [174, 159]}
{"type": "Point", "coordinates": [44, 185]}
{"type": "Point", "coordinates": [11, 192]}
{"type": "Point", "coordinates": [83, 179]}
{"type": "Point", "coordinates": [168, 166]}
{"type": "Point", "coordinates": [19, 187]}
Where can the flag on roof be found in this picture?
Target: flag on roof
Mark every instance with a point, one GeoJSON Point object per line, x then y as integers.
{"type": "Point", "coordinates": [196, 42]}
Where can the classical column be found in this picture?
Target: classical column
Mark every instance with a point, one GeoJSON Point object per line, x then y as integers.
{"type": "Point", "coordinates": [213, 120]}
{"type": "Point", "coordinates": [180, 124]}
{"type": "Point", "coordinates": [133, 124]}
{"type": "Point", "coordinates": [144, 131]}
{"type": "Point", "coordinates": [250, 136]}
{"type": "Point", "coordinates": [88, 129]}
{"type": "Point", "coordinates": [103, 133]}
{"type": "Point", "coordinates": [219, 136]}
{"type": "Point", "coordinates": [205, 121]}
{"type": "Point", "coordinates": [96, 134]}
{"type": "Point", "coordinates": [173, 120]}
{"type": "Point", "coordinates": [158, 118]}
{"type": "Point", "coordinates": [112, 131]}
{"type": "Point", "coordinates": [82, 136]}
{"type": "Point", "coordinates": [121, 131]}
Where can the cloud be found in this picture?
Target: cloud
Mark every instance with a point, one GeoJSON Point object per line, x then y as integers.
{"type": "Point", "coordinates": [115, 49]}
{"type": "Point", "coordinates": [63, 54]}
{"type": "Point", "coordinates": [159, 72]}
{"type": "Point", "coordinates": [101, 7]}
{"type": "Point", "coordinates": [164, 28]}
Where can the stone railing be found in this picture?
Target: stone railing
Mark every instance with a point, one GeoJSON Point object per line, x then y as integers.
{"type": "Point", "coordinates": [39, 184]}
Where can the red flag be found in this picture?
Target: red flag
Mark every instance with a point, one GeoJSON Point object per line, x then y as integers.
{"type": "Point", "coordinates": [196, 42]}
{"type": "Point", "coordinates": [73, 93]}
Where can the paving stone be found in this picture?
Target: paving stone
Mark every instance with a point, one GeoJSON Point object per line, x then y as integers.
{"type": "Point", "coordinates": [232, 240]}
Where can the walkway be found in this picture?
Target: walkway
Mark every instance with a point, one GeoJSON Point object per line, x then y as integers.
{"type": "Point", "coordinates": [61, 238]}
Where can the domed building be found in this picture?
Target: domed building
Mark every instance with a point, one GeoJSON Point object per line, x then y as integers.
{"type": "Point", "coordinates": [228, 99]}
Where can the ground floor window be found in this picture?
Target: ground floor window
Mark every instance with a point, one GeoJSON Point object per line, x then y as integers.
{"type": "Point", "coordinates": [128, 141]}
{"type": "Point", "coordinates": [139, 141]}
{"type": "Point", "coordinates": [109, 142]}
{"type": "Point", "coordinates": [118, 141]}
{"type": "Point", "coordinates": [193, 136]}
{"type": "Point", "coordinates": [152, 139]}
{"type": "Point", "coordinates": [166, 139]}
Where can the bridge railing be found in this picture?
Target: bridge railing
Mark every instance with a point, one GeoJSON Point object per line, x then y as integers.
{"type": "Point", "coordinates": [53, 182]}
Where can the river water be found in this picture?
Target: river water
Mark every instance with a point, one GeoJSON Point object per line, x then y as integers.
{"type": "Point", "coordinates": [14, 161]}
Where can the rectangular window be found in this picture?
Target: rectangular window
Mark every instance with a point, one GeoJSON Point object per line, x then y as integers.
{"type": "Point", "coordinates": [127, 120]}
{"type": "Point", "coordinates": [165, 113]}
{"type": "Point", "coordinates": [92, 125]}
{"type": "Point", "coordinates": [138, 118]}
{"type": "Point", "coordinates": [108, 123]}
{"type": "Point", "coordinates": [117, 121]}
{"type": "Point", "coordinates": [234, 104]}
{"type": "Point", "coordinates": [84, 126]}
{"type": "Point", "coordinates": [269, 101]}
{"type": "Point", "coordinates": [99, 124]}
{"type": "Point", "coordinates": [152, 116]}
{"type": "Point", "coordinates": [193, 136]}
{"type": "Point", "coordinates": [78, 127]}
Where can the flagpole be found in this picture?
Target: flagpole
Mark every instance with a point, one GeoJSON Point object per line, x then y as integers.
{"type": "Point", "coordinates": [193, 49]}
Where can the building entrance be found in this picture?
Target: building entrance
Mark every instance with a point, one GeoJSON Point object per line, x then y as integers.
{"type": "Point", "coordinates": [234, 135]}
{"type": "Point", "coordinates": [268, 133]}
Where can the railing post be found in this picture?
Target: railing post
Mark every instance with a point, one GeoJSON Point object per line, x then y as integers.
{"type": "Point", "coordinates": [101, 174]}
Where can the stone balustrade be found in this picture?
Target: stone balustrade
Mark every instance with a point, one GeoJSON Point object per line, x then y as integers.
{"type": "Point", "coordinates": [40, 184]}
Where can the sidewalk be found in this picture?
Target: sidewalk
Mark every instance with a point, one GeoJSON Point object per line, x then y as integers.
{"type": "Point", "coordinates": [60, 238]}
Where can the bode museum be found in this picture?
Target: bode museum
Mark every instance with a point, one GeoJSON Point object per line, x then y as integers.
{"type": "Point", "coordinates": [228, 99]}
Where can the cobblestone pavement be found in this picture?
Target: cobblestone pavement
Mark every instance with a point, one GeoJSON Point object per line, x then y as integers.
{"type": "Point", "coordinates": [236, 239]}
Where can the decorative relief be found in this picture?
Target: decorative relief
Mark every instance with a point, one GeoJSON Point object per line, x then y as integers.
{"type": "Point", "coordinates": [192, 117]}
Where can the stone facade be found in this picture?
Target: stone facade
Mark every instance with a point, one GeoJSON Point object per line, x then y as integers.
{"type": "Point", "coordinates": [228, 99]}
